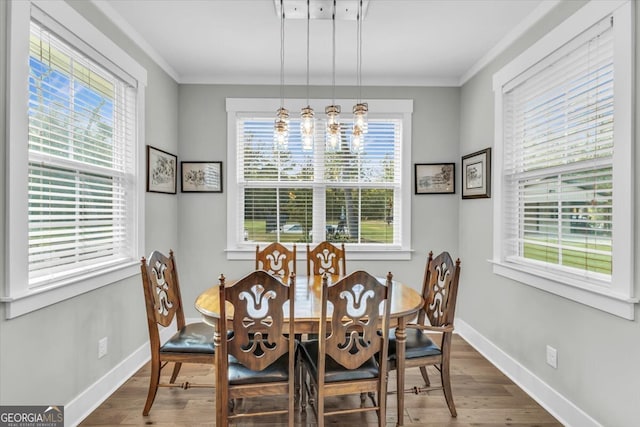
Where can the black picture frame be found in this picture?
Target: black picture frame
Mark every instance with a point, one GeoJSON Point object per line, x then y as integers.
{"type": "Point", "coordinates": [476, 175]}
{"type": "Point", "coordinates": [162, 171]}
{"type": "Point", "coordinates": [435, 178]}
{"type": "Point", "coordinates": [201, 177]}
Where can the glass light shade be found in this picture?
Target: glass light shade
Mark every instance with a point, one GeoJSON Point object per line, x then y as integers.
{"type": "Point", "coordinates": [357, 140]}
{"type": "Point", "coordinates": [281, 128]}
{"type": "Point", "coordinates": [333, 126]}
{"type": "Point", "coordinates": [360, 111]}
{"type": "Point", "coordinates": [307, 127]}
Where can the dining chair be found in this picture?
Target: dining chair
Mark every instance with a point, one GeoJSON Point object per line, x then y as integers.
{"type": "Point", "coordinates": [258, 357]}
{"type": "Point", "coordinates": [191, 343]}
{"type": "Point", "coordinates": [344, 359]}
{"type": "Point", "coordinates": [326, 258]}
{"type": "Point", "coordinates": [276, 259]}
{"type": "Point", "coordinates": [439, 291]}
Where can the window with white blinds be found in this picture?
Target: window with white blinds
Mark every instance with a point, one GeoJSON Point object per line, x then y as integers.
{"type": "Point", "coordinates": [304, 195]}
{"type": "Point", "coordinates": [561, 123]}
{"type": "Point", "coordinates": [81, 121]}
{"type": "Point", "coordinates": [75, 192]}
{"type": "Point", "coordinates": [558, 158]}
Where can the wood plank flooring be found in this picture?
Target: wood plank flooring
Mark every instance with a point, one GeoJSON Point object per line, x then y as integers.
{"type": "Point", "coordinates": [484, 397]}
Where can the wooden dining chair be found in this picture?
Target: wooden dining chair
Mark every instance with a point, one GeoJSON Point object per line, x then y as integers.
{"type": "Point", "coordinates": [343, 360]}
{"type": "Point", "coordinates": [326, 258]}
{"type": "Point", "coordinates": [276, 259]}
{"type": "Point", "coordinates": [439, 291]}
{"type": "Point", "coordinates": [258, 357]}
{"type": "Point", "coordinates": [192, 343]}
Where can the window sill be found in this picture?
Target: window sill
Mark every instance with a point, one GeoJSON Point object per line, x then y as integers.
{"type": "Point", "coordinates": [601, 299]}
{"type": "Point", "coordinates": [17, 305]}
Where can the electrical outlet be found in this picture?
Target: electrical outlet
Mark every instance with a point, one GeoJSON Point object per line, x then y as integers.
{"type": "Point", "coordinates": [552, 357]}
{"type": "Point", "coordinates": [102, 347]}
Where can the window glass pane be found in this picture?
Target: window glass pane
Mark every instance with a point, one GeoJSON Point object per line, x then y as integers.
{"type": "Point", "coordinates": [359, 215]}
{"type": "Point", "coordinates": [278, 214]}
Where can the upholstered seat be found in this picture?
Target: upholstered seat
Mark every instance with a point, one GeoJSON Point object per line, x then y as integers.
{"type": "Point", "coordinates": [193, 338]}
{"type": "Point", "coordinates": [418, 344]}
{"type": "Point", "coordinates": [334, 371]}
{"type": "Point", "coordinates": [240, 374]}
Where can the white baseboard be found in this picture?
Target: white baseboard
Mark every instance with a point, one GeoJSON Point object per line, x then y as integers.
{"type": "Point", "coordinates": [86, 402]}
{"type": "Point", "coordinates": [556, 404]}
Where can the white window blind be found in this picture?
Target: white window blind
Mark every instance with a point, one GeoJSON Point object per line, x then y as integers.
{"type": "Point", "coordinates": [298, 195]}
{"type": "Point", "coordinates": [558, 158]}
{"type": "Point", "coordinates": [81, 142]}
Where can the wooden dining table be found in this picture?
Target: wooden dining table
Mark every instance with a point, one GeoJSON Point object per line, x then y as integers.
{"type": "Point", "coordinates": [405, 303]}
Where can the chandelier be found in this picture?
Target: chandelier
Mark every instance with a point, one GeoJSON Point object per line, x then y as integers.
{"type": "Point", "coordinates": [349, 10]}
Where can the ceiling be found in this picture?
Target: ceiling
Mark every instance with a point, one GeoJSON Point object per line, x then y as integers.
{"type": "Point", "coordinates": [404, 42]}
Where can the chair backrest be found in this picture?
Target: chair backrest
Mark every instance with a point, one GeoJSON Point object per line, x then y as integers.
{"type": "Point", "coordinates": [440, 290]}
{"type": "Point", "coordinates": [276, 259]}
{"type": "Point", "coordinates": [161, 291]}
{"type": "Point", "coordinates": [260, 334]}
{"type": "Point", "coordinates": [326, 258]}
{"type": "Point", "coordinates": [356, 334]}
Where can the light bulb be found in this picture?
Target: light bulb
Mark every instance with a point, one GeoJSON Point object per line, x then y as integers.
{"type": "Point", "coordinates": [307, 126]}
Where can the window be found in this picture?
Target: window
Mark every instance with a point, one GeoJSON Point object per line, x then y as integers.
{"type": "Point", "coordinates": [296, 195]}
{"type": "Point", "coordinates": [75, 194]}
{"type": "Point", "coordinates": [565, 143]}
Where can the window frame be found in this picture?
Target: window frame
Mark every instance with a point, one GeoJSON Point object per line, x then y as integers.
{"type": "Point", "coordinates": [239, 250]}
{"type": "Point", "coordinates": [617, 296]}
{"type": "Point", "coordinates": [17, 295]}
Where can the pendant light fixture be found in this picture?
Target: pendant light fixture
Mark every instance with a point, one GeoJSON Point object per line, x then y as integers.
{"type": "Point", "coordinates": [281, 127]}
{"type": "Point", "coordinates": [333, 110]}
{"type": "Point", "coordinates": [307, 122]}
{"type": "Point", "coordinates": [361, 109]}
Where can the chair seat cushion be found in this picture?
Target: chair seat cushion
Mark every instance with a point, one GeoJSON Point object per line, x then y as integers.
{"type": "Point", "coordinates": [276, 372]}
{"type": "Point", "coordinates": [334, 371]}
{"type": "Point", "coordinates": [418, 344]}
{"type": "Point", "coordinates": [192, 338]}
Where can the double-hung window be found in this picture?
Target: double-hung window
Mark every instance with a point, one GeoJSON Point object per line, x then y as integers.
{"type": "Point", "coordinates": [299, 193]}
{"type": "Point", "coordinates": [564, 214]}
{"type": "Point", "coordinates": [74, 205]}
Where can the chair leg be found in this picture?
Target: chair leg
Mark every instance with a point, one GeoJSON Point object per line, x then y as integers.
{"type": "Point", "coordinates": [446, 386]}
{"type": "Point", "coordinates": [154, 380]}
{"type": "Point", "coordinates": [174, 374]}
{"type": "Point", "coordinates": [425, 375]}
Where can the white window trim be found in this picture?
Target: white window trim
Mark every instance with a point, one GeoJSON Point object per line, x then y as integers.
{"type": "Point", "coordinates": [618, 298]}
{"type": "Point", "coordinates": [17, 296]}
{"type": "Point", "coordinates": [247, 251]}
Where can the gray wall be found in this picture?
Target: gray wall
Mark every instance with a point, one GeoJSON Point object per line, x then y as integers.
{"type": "Point", "coordinates": [598, 353]}
{"type": "Point", "coordinates": [50, 356]}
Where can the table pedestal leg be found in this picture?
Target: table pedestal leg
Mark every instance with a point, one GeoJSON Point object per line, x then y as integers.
{"type": "Point", "coordinates": [401, 338]}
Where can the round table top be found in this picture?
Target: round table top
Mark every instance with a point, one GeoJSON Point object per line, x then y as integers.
{"type": "Point", "coordinates": [404, 300]}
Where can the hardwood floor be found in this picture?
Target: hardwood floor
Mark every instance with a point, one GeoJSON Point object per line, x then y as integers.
{"type": "Point", "coordinates": [483, 396]}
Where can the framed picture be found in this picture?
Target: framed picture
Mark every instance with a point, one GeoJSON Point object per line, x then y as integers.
{"type": "Point", "coordinates": [201, 177]}
{"type": "Point", "coordinates": [162, 171]}
{"type": "Point", "coordinates": [435, 178]}
{"type": "Point", "coordinates": [476, 175]}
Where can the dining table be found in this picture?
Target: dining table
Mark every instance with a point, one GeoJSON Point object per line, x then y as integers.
{"type": "Point", "coordinates": [405, 303]}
